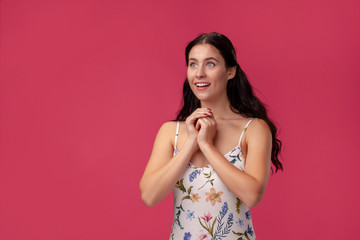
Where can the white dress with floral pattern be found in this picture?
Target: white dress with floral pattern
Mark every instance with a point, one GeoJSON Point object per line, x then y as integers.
{"type": "Point", "coordinates": [204, 208]}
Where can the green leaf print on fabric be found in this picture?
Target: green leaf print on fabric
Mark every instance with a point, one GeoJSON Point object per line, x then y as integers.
{"type": "Point", "coordinates": [238, 204]}
{"type": "Point", "coordinates": [241, 235]}
{"type": "Point", "coordinates": [177, 220]}
{"type": "Point", "coordinates": [210, 180]}
{"type": "Point", "coordinates": [189, 190]}
{"type": "Point", "coordinates": [246, 233]}
{"type": "Point", "coordinates": [235, 157]}
{"type": "Point", "coordinates": [180, 185]}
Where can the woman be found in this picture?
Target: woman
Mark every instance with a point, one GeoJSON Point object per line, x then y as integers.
{"type": "Point", "coordinates": [214, 186]}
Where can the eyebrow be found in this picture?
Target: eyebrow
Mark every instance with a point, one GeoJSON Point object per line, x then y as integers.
{"type": "Point", "coordinates": [206, 59]}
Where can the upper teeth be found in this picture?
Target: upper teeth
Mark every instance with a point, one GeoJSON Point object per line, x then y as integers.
{"type": "Point", "coordinates": [202, 84]}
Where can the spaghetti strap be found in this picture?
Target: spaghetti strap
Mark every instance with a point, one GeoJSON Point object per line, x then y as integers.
{"type": "Point", "coordinates": [176, 136]}
{"type": "Point", "coordinates": [242, 134]}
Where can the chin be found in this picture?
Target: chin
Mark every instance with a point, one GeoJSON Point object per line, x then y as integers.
{"type": "Point", "coordinates": [204, 98]}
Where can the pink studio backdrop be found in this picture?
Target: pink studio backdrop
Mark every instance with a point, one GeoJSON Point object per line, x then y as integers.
{"type": "Point", "coordinates": [85, 86]}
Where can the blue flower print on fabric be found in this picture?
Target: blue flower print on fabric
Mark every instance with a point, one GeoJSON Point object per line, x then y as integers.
{"type": "Point", "coordinates": [240, 222]}
{"type": "Point", "coordinates": [187, 236]}
{"type": "Point", "coordinates": [189, 215]}
{"type": "Point", "coordinates": [248, 215]}
{"type": "Point", "coordinates": [193, 175]}
{"type": "Point", "coordinates": [224, 210]}
{"type": "Point", "coordinates": [250, 231]}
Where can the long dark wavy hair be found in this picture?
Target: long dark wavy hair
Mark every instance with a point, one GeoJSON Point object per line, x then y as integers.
{"type": "Point", "coordinates": [240, 93]}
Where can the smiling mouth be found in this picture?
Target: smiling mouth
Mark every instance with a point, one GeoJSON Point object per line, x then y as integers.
{"type": "Point", "coordinates": [202, 84]}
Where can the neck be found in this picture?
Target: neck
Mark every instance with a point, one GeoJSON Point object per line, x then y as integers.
{"type": "Point", "coordinates": [220, 109]}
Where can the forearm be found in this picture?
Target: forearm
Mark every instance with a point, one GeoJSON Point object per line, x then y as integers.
{"type": "Point", "coordinates": [243, 185]}
{"type": "Point", "coordinates": [156, 185]}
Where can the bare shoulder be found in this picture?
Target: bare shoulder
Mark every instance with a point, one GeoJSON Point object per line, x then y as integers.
{"type": "Point", "coordinates": [168, 127]}
{"type": "Point", "coordinates": [167, 130]}
{"type": "Point", "coordinates": [258, 129]}
{"type": "Point", "coordinates": [164, 141]}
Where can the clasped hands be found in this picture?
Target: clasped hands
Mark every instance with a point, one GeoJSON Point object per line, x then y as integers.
{"type": "Point", "coordinates": [201, 126]}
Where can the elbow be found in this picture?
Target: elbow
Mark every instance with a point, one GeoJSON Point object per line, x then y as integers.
{"type": "Point", "coordinates": [252, 203]}
{"type": "Point", "coordinates": [253, 199]}
{"type": "Point", "coordinates": [146, 198]}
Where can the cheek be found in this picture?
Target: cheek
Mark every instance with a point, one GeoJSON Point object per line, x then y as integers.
{"type": "Point", "coordinates": [189, 74]}
{"type": "Point", "coordinates": [220, 77]}
{"type": "Point", "coordinates": [225, 76]}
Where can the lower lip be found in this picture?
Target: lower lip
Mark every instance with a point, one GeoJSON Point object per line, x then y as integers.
{"type": "Point", "coordinates": [202, 88]}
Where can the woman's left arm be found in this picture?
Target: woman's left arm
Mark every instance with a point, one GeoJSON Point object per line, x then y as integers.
{"type": "Point", "coordinates": [248, 185]}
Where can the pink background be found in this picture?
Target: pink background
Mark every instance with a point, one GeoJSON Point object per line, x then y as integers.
{"type": "Point", "coordinates": [85, 85]}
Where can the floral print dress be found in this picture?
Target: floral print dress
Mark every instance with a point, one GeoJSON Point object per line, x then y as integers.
{"type": "Point", "coordinates": [204, 208]}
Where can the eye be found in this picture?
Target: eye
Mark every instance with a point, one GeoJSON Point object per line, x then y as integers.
{"type": "Point", "coordinates": [211, 64]}
{"type": "Point", "coordinates": [192, 64]}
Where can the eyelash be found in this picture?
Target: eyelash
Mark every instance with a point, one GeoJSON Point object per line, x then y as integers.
{"type": "Point", "coordinates": [213, 64]}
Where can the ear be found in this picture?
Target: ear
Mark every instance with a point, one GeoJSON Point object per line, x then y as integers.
{"type": "Point", "coordinates": [231, 72]}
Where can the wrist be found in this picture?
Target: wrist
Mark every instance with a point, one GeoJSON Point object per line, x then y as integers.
{"type": "Point", "coordinates": [204, 147]}
{"type": "Point", "coordinates": [192, 143]}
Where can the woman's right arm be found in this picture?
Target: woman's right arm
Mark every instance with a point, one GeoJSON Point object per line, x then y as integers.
{"type": "Point", "coordinates": [164, 170]}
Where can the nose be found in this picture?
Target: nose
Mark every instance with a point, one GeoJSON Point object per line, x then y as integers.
{"type": "Point", "coordinates": [200, 73]}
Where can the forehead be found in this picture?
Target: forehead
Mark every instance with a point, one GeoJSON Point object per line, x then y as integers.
{"type": "Point", "coordinates": [202, 51]}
